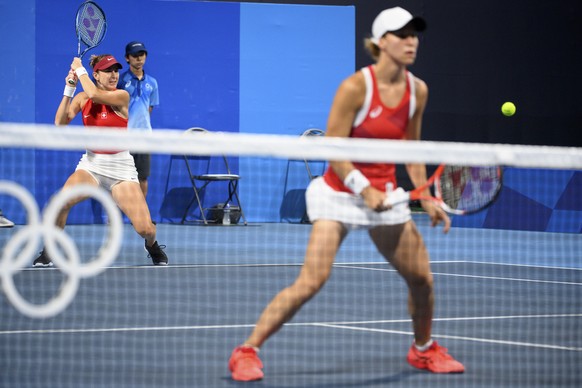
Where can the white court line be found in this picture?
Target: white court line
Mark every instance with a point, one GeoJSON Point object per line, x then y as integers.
{"type": "Point", "coordinates": [516, 265]}
{"type": "Point", "coordinates": [473, 339]}
{"type": "Point", "coordinates": [298, 264]}
{"type": "Point", "coordinates": [238, 326]}
{"type": "Point", "coordinates": [468, 276]}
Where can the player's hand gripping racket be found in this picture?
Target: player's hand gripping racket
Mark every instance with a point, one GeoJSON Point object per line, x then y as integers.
{"type": "Point", "coordinates": [457, 189]}
{"type": "Point", "coordinates": [90, 25]}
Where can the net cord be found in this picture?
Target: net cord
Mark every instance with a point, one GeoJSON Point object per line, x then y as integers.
{"type": "Point", "coordinates": [314, 148]}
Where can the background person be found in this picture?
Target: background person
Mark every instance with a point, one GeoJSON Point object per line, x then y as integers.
{"type": "Point", "coordinates": [144, 95]}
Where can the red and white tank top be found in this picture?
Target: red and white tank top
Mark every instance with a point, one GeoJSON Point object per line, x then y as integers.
{"type": "Point", "coordinates": [100, 115]}
{"type": "Point", "coordinates": [375, 120]}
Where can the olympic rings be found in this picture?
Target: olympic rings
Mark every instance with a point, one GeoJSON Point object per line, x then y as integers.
{"type": "Point", "coordinates": [69, 263]}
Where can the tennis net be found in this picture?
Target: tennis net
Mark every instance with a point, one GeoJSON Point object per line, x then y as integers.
{"type": "Point", "coordinates": [507, 280]}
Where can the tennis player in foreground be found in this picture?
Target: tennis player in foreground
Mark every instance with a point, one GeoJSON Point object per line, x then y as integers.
{"type": "Point", "coordinates": [382, 101]}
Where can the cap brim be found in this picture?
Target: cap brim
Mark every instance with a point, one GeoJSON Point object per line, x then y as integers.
{"type": "Point", "coordinates": [418, 23]}
{"type": "Point", "coordinates": [136, 52]}
{"type": "Point", "coordinates": [115, 65]}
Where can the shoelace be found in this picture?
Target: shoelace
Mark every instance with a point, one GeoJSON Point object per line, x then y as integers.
{"type": "Point", "coordinates": [250, 356]}
{"type": "Point", "coordinates": [160, 247]}
{"type": "Point", "coordinates": [441, 353]}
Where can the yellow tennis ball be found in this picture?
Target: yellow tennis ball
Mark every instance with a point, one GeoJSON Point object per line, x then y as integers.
{"type": "Point", "coordinates": [508, 109]}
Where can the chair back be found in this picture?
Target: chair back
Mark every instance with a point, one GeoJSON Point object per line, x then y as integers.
{"type": "Point", "coordinates": [207, 158]}
{"type": "Point", "coordinates": [312, 132]}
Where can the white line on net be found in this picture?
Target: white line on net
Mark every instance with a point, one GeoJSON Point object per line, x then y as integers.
{"type": "Point", "coordinates": [290, 147]}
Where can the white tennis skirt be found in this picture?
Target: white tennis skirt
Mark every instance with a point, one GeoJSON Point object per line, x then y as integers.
{"type": "Point", "coordinates": [324, 203]}
{"type": "Point", "coordinates": [119, 166]}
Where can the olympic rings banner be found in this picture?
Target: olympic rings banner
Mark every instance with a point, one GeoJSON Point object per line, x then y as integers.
{"type": "Point", "coordinates": [23, 245]}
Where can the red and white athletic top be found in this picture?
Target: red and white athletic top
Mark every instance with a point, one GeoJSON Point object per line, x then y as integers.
{"type": "Point", "coordinates": [375, 120]}
{"type": "Point", "coordinates": [99, 115]}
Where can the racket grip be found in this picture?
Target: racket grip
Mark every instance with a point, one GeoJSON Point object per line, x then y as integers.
{"type": "Point", "coordinates": [71, 81]}
{"type": "Point", "coordinates": [396, 197]}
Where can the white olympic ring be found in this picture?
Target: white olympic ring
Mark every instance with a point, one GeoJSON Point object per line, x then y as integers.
{"type": "Point", "coordinates": [69, 263]}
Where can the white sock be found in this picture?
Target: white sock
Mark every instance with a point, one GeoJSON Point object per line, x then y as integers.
{"type": "Point", "coordinates": [424, 347]}
{"type": "Point", "coordinates": [253, 347]}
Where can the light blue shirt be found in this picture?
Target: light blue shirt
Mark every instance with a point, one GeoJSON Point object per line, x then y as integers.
{"type": "Point", "coordinates": [143, 94]}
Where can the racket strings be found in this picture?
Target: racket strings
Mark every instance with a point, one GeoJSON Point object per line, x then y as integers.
{"type": "Point", "coordinates": [91, 25]}
{"type": "Point", "coordinates": [469, 188]}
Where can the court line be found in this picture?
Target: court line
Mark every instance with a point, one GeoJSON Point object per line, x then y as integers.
{"type": "Point", "coordinates": [519, 265]}
{"type": "Point", "coordinates": [239, 326]}
{"type": "Point", "coordinates": [298, 264]}
{"type": "Point", "coordinates": [473, 339]}
{"type": "Point", "coordinates": [246, 265]}
{"type": "Point", "coordinates": [469, 276]}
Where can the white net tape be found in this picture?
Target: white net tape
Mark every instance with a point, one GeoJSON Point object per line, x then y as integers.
{"type": "Point", "coordinates": [281, 146]}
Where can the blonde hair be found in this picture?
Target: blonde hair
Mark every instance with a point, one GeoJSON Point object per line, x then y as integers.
{"type": "Point", "coordinates": [372, 48]}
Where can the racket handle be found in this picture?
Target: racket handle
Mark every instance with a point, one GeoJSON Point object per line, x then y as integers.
{"type": "Point", "coordinates": [396, 197]}
{"type": "Point", "coordinates": [71, 81]}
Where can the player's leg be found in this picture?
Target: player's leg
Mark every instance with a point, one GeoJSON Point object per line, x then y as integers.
{"type": "Point", "coordinates": [143, 184]}
{"type": "Point", "coordinates": [403, 246]}
{"type": "Point", "coordinates": [130, 199]}
{"type": "Point", "coordinates": [325, 239]}
{"type": "Point", "coordinates": [76, 178]}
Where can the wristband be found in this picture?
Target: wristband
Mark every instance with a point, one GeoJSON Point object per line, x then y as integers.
{"type": "Point", "coordinates": [356, 181]}
{"type": "Point", "coordinates": [69, 91]}
{"type": "Point", "coordinates": [80, 71]}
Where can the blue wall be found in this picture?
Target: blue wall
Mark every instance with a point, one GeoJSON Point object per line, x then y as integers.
{"type": "Point", "coordinates": [224, 66]}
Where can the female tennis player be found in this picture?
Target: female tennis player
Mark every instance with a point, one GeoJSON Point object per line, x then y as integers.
{"type": "Point", "coordinates": [382, 101]}
{"type": "Point", "coordinates": [103, 105]}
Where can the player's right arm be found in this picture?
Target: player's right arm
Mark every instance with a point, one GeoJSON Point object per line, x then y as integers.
{"type": "Point", "coordinates": [347, 102]}
{"type": "Point", "coordinates": [113, 97]}
{"type": "Point", "coordinates": [70, 106]}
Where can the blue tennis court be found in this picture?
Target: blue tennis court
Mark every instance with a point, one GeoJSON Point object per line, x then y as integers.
{"type": "Point", "coordinates": [508, 305]}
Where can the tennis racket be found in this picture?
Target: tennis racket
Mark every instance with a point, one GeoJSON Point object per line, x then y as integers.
{"type": "Point", "coordinates": [91, 26]}
{"type": "Point", "coordinates": [456, 189]}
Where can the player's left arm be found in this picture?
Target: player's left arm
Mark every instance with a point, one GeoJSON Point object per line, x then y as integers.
{"type": "Point", "coordinates": [417, 171]}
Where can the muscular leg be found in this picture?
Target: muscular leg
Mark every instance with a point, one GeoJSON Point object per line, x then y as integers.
{"type": "Point", "coordinates": [325, 239]}
{"type": "Point", "coordinates": [403, 247]}
{"type": "Point", "coordinates": [130, 199]}
{"type": "Point", "coordinates": [143, 184]}
{"type": "Point", "coordinates": [76, 178]}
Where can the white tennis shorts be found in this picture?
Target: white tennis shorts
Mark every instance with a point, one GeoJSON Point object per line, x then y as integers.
{"type": "Point", "coordinates": [109, 169]}
{"type": "Point", "coordinates": [324, 203]}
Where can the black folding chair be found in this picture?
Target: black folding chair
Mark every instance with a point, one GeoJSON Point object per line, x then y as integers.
{"type": "Point", "coordinates": [204, 177]}
{"type": "Point", "coordinates": [297, 196]}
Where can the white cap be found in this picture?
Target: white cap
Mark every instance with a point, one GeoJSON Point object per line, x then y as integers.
{"type": "Point", "coordinates": [393, 19]}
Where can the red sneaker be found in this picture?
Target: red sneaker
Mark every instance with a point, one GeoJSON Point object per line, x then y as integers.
{"type": "Point", "coordinates": [435, 359]}
{"type": "Point", "coordinates": [245, 364]}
